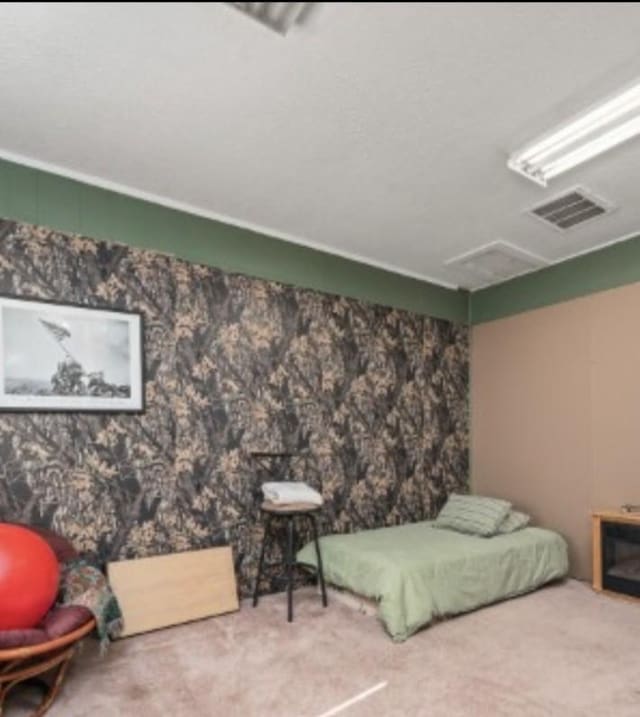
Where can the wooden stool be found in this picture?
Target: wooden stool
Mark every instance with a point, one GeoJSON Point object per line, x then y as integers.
{"type": "Point", "coordinates": [21, 664]}
{"type": "Point", "coordinates": [289, 513]}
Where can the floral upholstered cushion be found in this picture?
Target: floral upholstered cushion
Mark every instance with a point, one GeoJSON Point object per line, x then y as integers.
{"type": "Point", "coordinates": [85, 585]}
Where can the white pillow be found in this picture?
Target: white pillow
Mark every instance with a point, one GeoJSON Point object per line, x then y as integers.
{"type": "Point", "coordinates": [474, 514]}
{"type": "Point", "coordinates": [514, 520]}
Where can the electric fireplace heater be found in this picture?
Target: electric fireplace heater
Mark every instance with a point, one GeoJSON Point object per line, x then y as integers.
{"type": "Point", "coordinates": [616, 553]}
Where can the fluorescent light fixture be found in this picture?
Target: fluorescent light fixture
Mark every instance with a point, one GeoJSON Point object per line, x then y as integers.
{"type": "Point", "coordinates": [592, 133]}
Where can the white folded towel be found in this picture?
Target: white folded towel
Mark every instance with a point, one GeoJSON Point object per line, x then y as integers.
{"type": "Point", "coordinates": [285, 492]}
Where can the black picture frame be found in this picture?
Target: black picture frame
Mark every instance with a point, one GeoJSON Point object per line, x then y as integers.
{"type": "Point", "coordinates": [71, 358]}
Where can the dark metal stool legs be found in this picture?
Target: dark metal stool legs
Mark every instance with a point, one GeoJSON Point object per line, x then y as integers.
{"type": "Point", "coordinates": [290, 564]}
{"type": "Point", "coordinates": [314, 527]}
{"type": "Point", "coordinates": [267, 526]}
{"type": "Point", "coordinates": [290, 568]}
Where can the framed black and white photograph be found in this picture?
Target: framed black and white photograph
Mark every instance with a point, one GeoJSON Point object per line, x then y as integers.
{"type": "Point", "coordinates": [62, 357]}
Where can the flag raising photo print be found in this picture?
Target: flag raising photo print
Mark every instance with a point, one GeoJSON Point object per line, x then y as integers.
{"type": "Point", "coordinates": [59, 357]}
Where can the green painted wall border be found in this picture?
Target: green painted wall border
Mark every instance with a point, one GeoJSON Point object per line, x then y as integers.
{"type": "Point", "coordinates": [40, 197]}
{"type": "Point", "coordinates": [615, 265]}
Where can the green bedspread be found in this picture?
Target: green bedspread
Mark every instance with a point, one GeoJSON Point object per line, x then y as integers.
{"type": "Point", "coordinates": [418, 573]}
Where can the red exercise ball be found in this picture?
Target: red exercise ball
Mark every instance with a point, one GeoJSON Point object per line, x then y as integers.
{"type": "Point", "coordinates": [29, 576]}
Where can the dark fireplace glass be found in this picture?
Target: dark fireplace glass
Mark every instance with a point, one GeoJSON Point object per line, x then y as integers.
{"type": "Point", "coordinates": [621, 558]}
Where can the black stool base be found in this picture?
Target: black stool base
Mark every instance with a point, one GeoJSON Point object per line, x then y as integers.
{"type": "Point", "coordinates": [290, 562]}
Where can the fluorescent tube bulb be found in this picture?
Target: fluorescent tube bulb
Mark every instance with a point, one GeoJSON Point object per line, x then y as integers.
{"type": "Point", "coordinates": [592, 149]}
{"type": "Point", "coordinates": [600, 129]}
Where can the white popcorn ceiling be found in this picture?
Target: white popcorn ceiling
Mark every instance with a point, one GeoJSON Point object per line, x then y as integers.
{"type": "Point", "coordinates": [373, 130]}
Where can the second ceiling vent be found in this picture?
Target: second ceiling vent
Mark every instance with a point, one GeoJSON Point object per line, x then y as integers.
{"type": "Point", "coordinates": [493, 263]}
{"type": "Point", "coordinates": [570, 209]}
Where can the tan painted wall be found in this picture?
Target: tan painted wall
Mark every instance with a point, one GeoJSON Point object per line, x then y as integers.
{"type": "Point", "coordinates": [555, 412]}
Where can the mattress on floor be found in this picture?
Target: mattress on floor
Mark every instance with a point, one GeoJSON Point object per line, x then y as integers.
{"type": "Point", "coordinates": [418, 573]}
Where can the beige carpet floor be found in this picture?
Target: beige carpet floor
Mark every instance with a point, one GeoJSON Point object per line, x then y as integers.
{"type": "Point", "coordinates": [560, 651]}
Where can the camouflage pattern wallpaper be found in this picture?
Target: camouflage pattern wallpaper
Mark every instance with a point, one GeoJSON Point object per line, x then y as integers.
{"type": "Point", "coordinates": [373, 401]}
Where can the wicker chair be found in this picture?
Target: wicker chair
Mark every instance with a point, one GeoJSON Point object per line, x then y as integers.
{"type": "Point", "coordinates": [51, 656]}
{"type": "Point", "coordinates": [26, 663]}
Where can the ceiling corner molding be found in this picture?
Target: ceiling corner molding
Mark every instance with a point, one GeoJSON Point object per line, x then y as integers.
{"type": "Point", "coordinates": [126, 190]}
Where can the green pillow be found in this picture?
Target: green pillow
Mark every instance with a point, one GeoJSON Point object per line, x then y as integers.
{"type": "Point", "coordinates": [474, 514]}
{"type": "Point", "coordinates": [515, 520]}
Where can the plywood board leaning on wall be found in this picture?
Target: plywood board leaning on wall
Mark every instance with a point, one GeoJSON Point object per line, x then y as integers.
{"type": "Point", "coordinates": [171, 589]}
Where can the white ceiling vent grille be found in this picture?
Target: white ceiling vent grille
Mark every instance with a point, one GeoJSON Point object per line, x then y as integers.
{"type": "Point", "coordinates": [570, 209]}
{"type": "Point", "coordinates": [493, 263]}
{"type": "Point", "coordinates": [279, 16]}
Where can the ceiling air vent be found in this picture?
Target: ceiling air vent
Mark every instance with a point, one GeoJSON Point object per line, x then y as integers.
{"type": "Point", "coordinates": [493, 263]}
{"type": "Point", "coordinates": [279, 16]}
{"type": "Point", "coordinates": [572, 208]}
